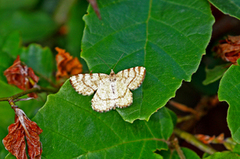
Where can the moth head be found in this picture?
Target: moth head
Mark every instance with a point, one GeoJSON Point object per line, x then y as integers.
{"type": "Point", "coordinates": [112, 76]}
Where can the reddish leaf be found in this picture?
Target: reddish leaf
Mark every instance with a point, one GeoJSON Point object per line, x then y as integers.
{"type": "Point", "coordinates": [208, 139]}
{"type": "Point", "coordinates": [229, 49]}
{"type": "Point", "coordinates": [220, 138]}
{"type": "Point", "coordinates": [66, 64]}
{"type": "Point", "coordinates": [23, 127]}
{"type": "Point", "coordinates": [205, 138]}
{"type": "Point", "coordinates": [21, 76]}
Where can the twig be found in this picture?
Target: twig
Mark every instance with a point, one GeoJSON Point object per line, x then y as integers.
{"type": "Point", "coordinates": [204, 105]}
{"type": "Point", "coordinates": [191, 139]}
{"type": "Point", "coordinates": [35, 89]}
{"type": "Point", "coordinates": [178, 148]}
{"type": "Point", "coordinates": [48, 80]}
{"type": "Point", "coordinates": [184, 118]}
{"type": "Point", "coordinates": [182, 107]}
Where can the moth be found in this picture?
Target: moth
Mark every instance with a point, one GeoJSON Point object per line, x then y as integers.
{"type": "Point", "coordinates": [112, 90]}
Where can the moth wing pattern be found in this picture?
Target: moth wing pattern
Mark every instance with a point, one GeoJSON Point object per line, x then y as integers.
{"type": "Point", "coordinates": [132, 77]}
{"type": "Point", "coordinates": [87, 84]}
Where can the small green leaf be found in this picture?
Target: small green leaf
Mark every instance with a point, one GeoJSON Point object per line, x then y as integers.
{"type": "Point", "coordinates": [71, 129]}
{"type": "Point", "coordinates": [167, 37]}
{"type": "Point", "coordinates": [231, 7]}
{"type": "Point", "coordinates": [189, 154]}
{"type": "Point", "coordinates": [224, 155]}
{"type": "Point", "coordinates": [40, 59]}
{"type": "Point", "coordinates": [215, 74]}
{"type": "Point", "coordinates": [229, 91]}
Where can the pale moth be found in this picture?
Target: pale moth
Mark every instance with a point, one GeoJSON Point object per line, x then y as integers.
{"type": "Point", "coordinates": [111, 90]}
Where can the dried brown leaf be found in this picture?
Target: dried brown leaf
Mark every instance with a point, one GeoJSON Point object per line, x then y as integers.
{"type": "Point", "coordinates": [229, 49]}
{"type": "Point", "coordinates": [21, 76]}
{"type": "Point", "coordinates": [66, 64]}
{"type": "Point", "coordinates": [23, 128]}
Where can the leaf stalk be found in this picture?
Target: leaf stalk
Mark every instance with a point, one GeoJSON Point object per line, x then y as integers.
{"type": "Point", "coordinates": [194, 141]}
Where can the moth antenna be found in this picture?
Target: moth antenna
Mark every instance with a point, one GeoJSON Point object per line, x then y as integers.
{"type": "Point", "coordinates": [104, 61]}
{"type": "Point", "coordinates": [118, 61]}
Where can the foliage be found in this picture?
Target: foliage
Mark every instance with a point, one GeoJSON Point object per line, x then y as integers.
{"type": "Point", "coordinates": [168, 38]}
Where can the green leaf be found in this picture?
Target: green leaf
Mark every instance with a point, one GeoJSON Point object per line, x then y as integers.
{"type": "Point", "coordinates": [71, 129]}
{"type": "Point", "coordinates": [33, 25]}
{"type": "Point", "coordinates": [167, 37]}
{"type": "Point", "coordinates": [231, 7]}
{"type": "Point", "coordinates": [229, 91]}
{"type": "Point", "coordinates": [223, 155]}
{"type": "Point", "coordinates": [40, 59]}
{"type": "Point", "coordinates": [174, 155]}
{"type": "Point", "coordinates": [215, 74]}
{"type": "Point", "coordinates": [12, 44]}
{"type": "Point", "coordinates": [237, 149]}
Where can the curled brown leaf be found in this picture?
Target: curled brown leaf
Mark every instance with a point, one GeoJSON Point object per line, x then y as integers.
{"type": "Point", "coordinates": [66, 64]}
{"type": "Point", "coordinates": [229, 49]}
{"type": "Point", "coordinates": [23, 128]}
{"type": "Point", "coordinates": [21, 76]}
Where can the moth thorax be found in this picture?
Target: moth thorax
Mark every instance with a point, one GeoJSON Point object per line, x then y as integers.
{"type": "Point", "coordinates": [112, 76]}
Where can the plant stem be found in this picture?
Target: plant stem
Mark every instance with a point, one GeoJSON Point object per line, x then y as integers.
{"type": "Point", "coordinates": [182, 107]}
{"type": "Point", "coordinates": [178, 148]}
{"type": "Point", "coordinates": [35, 89]}
{"type": "Point", "coordinates": [191, 139]}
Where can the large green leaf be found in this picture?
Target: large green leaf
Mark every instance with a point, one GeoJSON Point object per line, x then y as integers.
{"type": "Point", "coordinates": [167, 37]}
{"type": "Point", "coordinates": [71, 130]}
{"type": "Point", "coordinates": [231, 7]}
{"type": "Point", "coordinates": [229, 91]}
